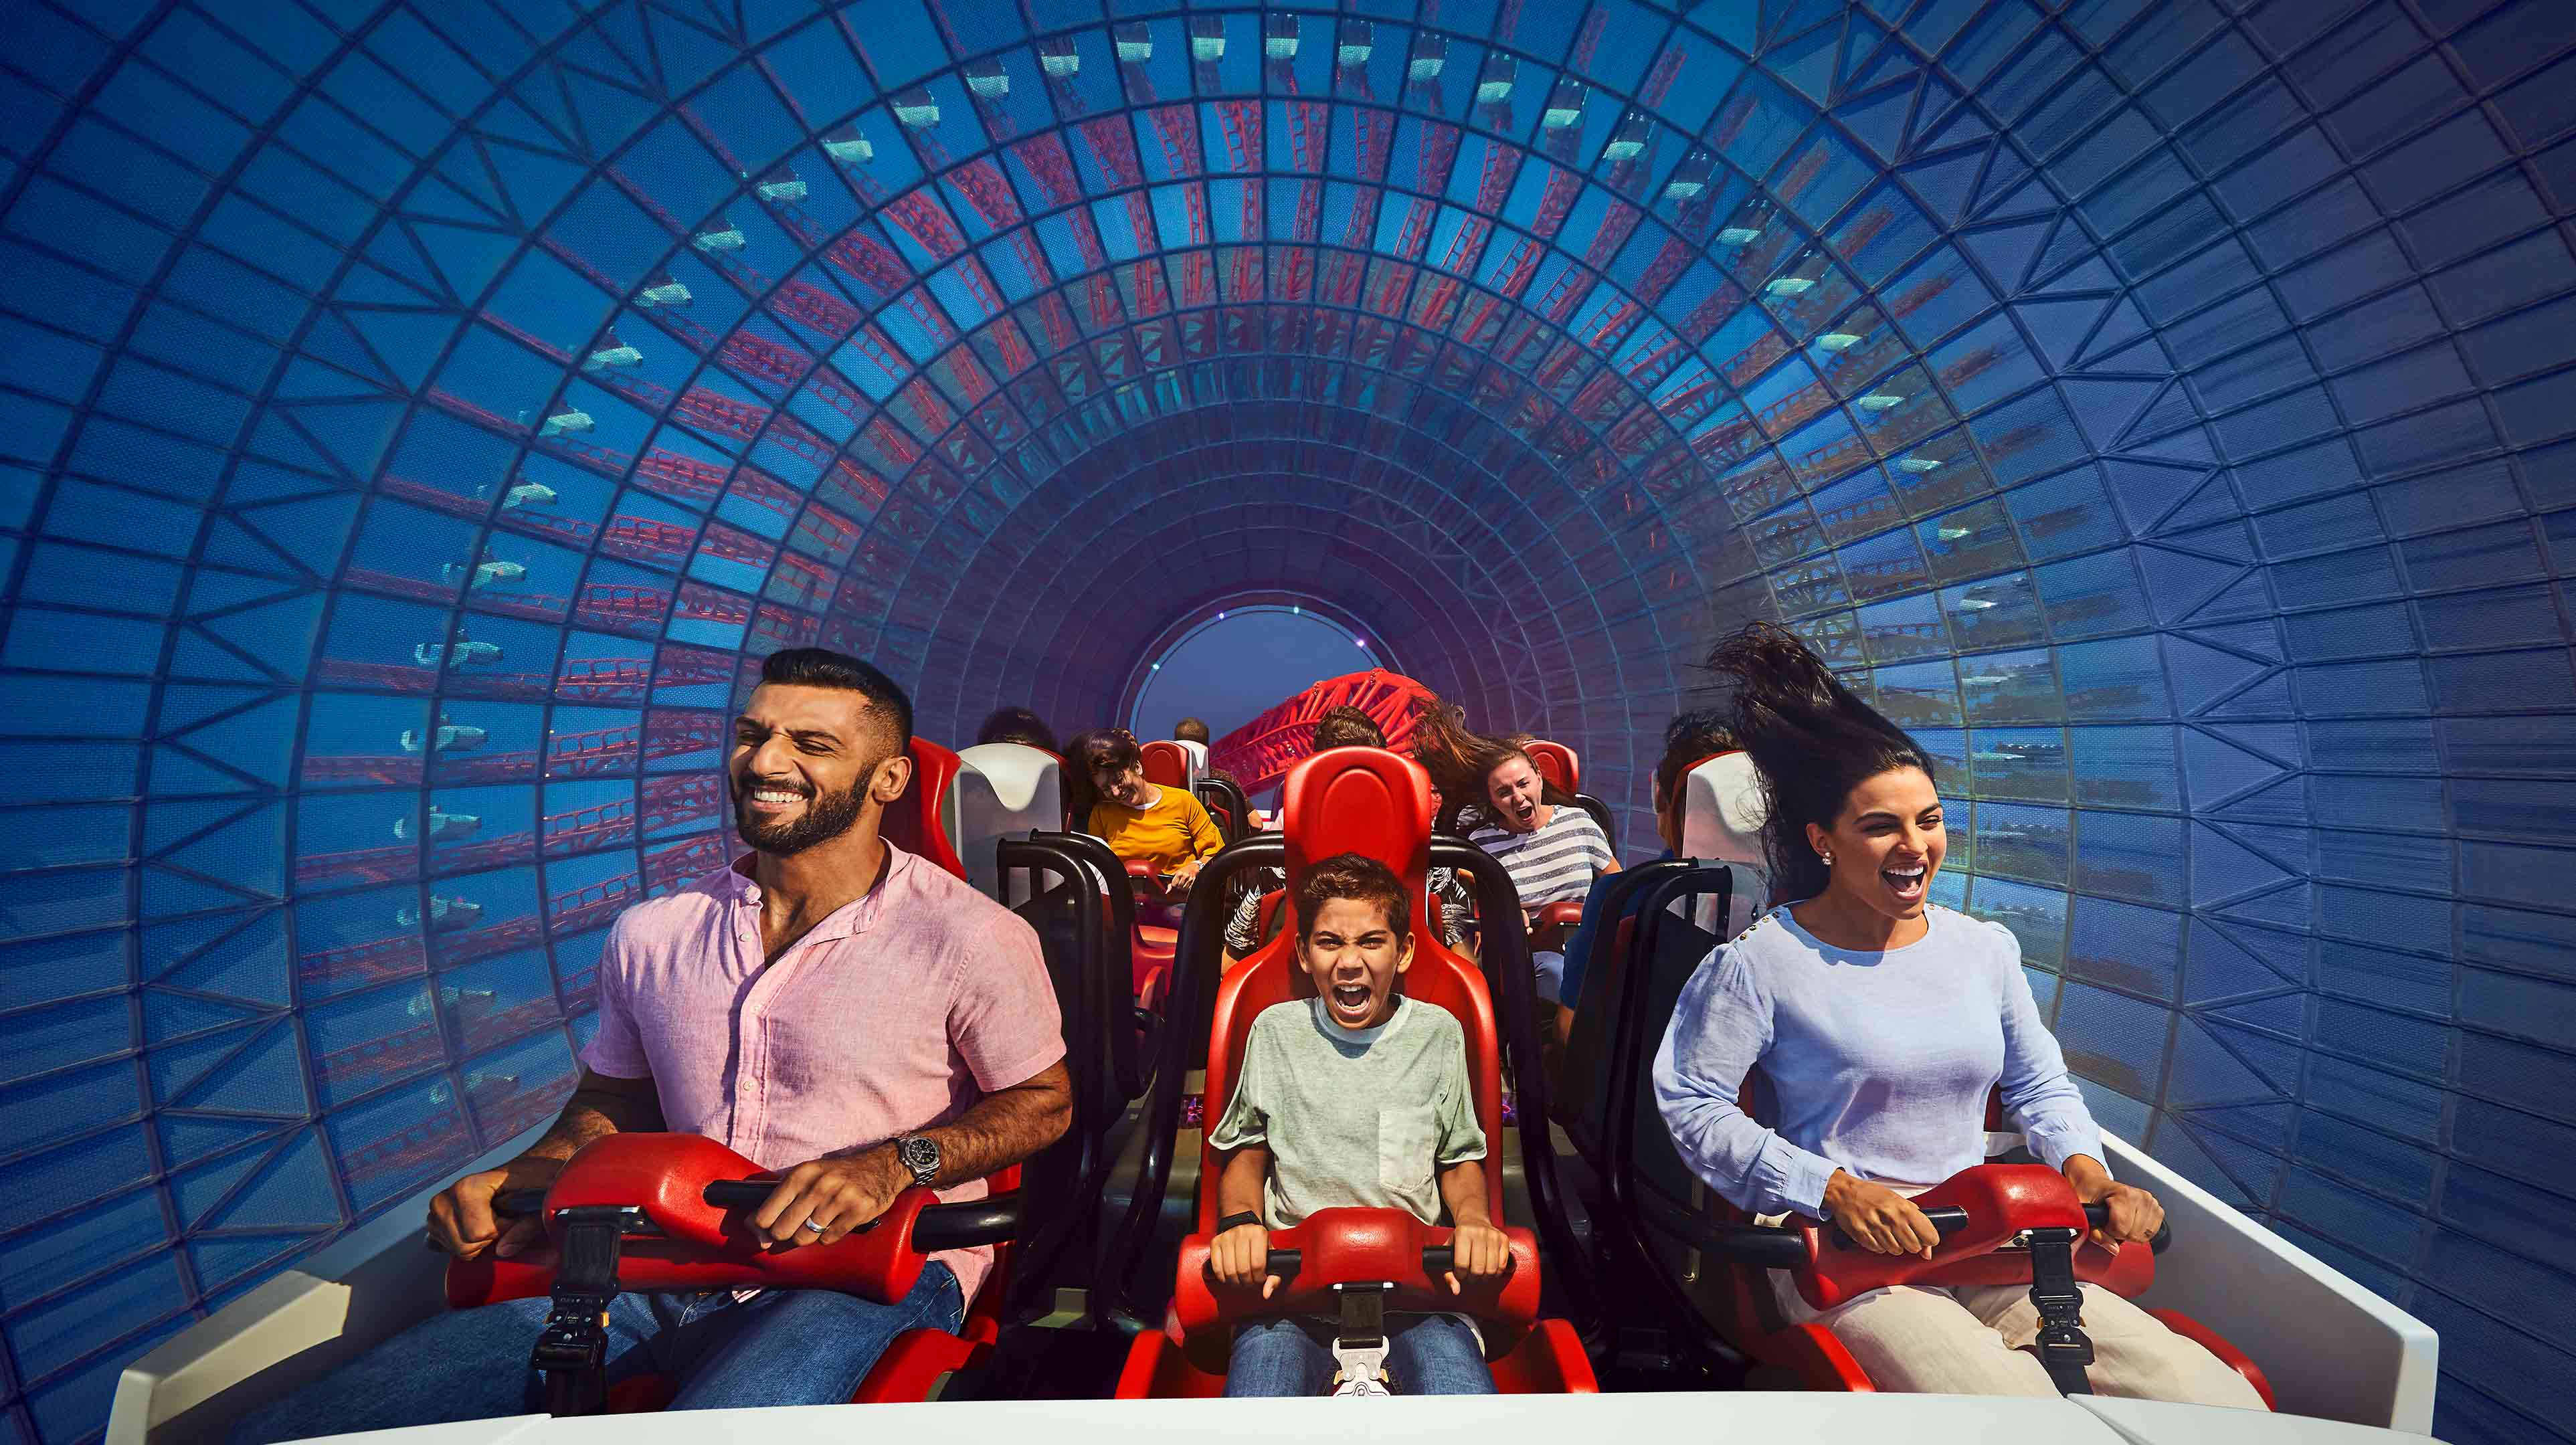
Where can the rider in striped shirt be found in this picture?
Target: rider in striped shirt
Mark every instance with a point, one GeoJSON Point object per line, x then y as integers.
{"type": "Point", "coordinates": [1551, 848]}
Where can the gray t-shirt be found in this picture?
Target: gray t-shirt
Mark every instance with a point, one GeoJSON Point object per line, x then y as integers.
{"type": "Point", "coordinates": [1362, 1118]}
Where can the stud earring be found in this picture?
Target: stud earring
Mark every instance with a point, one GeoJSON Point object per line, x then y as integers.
{"type": "Point", "coordinates": [1827, 858]}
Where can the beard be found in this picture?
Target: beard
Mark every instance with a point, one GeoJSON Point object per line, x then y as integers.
{"type": "Point", "coordinates": [826, 817]}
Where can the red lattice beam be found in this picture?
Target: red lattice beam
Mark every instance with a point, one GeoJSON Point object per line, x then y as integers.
{"type": "Point", "coordinates": [1259, 754]}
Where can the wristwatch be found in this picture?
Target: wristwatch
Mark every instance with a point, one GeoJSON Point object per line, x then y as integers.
{"type": "Point", "coordinates": [1237, 1220]}
{"type": "Point", "coordinates": [921, 1156]}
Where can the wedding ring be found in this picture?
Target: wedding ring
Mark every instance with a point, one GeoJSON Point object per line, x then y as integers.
{"type": "Point", "coordinates": [810, 1224]}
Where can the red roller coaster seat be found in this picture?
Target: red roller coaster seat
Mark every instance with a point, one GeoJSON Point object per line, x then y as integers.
{"type": "Point", "coordinates": [917, 822]}
{"type": "Point", "coordinates": [1153, 946]}
{"type": "Point", "coordinates": [2001, 1200]}
{"type": "Point", "coordinates": [1554, 923]}
{"type": "Point", "coordinates": [1557, 763]}
{"type": "Point", "coordinates": [1167, 764]}
{"type": "Point", "coordinates": [1369, 801]}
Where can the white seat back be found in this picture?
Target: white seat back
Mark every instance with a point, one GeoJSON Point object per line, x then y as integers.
{"type": "Point", "coordinates": [1198, 760]}
{"type": "Point", "coordinates": [1722, 815]}
{"type": "Point", "coordinates": [1003, 789]}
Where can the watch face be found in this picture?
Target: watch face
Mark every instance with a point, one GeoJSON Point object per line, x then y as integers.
{"type": "Point", "coordinates": [918, 1154]}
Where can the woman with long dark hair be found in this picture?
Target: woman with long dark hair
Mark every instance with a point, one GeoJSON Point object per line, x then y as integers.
{"type": "Point", "coordinates": [1880, 1023]}
{"type": "Point", "coordinates": [1448, 750]}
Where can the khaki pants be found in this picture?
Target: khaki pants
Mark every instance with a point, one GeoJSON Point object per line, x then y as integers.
{"type": "Point", "coordinates": [1968, 1341]}
{"type": "Point", "coordinates": [1914, 1339]}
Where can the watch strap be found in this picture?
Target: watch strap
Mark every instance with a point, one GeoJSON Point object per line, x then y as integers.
{"type": "Point", "coordinates": [1236, 1220]}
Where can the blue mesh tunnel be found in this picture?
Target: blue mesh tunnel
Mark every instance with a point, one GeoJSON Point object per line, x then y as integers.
{"type": "Point", "coordinates": [417, 415]}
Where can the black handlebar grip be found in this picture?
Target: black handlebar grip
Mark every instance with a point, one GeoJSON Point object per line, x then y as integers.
{"type": "Point", "coordinates": [963, 1225]}
{"type": "Point", "coordinates": [1437, 1260]}
{"type": "Point", "coordinates": [1440, 1259]}
{"type": "Point", "coordinates": [2098, 1216]}
{"type": "Point", "coordinates": [1945, 1221]}
{"type": "Point", "coordinates": [737, 1193]}
{"type": "Point", "coordinates": [1756, 1245]}
{"type": "Point", "coordinates": [749, 1194]}
{"type": "Point", "coordinates": [1283, 1263]}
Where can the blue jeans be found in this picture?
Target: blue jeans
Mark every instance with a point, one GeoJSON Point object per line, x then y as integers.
{"type": "Point", "coordinates": [1427, 1355]}
{"type": "Point", "coordinates": [780, 1347]}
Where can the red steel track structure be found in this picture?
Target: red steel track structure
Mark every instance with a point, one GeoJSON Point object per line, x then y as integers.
{"type": "Point", "coordinates": [1259, 754]}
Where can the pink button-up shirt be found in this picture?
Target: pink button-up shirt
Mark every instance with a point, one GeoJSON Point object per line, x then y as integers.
{"type": "Point", "coordinates": [894, 1014]}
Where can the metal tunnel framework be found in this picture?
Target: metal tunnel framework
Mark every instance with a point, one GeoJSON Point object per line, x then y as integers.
{"type": "Point", "coordinates": [417, 417]}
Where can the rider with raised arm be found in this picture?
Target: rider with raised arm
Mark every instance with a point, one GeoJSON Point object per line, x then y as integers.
{"type": "Point", "coordinates": [1355, 1097]}
{"type": "Point", "coordinates": [830, 1006]}
{"type": "Point", "coordinates": [1880, 1024]}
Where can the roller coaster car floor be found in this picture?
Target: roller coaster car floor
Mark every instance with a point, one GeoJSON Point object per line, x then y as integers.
{"type": "Point", "coordinates": [1038, 1362]}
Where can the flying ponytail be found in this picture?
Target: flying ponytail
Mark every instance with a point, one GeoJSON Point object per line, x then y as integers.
{"type": "Point", "coordinates": [1812, 740]}
{"type": "Point", "coordinates": [1459, 759]}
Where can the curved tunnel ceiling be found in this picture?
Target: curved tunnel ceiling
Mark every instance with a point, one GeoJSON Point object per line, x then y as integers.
{"type": "Point", "coordinates": [422, 413]}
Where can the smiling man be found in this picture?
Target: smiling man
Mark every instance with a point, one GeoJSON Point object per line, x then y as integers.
{"type": "Point", "coordinates": [840, 1011]}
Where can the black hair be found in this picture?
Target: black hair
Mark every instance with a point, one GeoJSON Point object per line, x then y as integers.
{"type": "Point", "coordinates": [1079, 795]}
{"type": "Point", "coordinates": [1355, 876]}
{"type": "Point", "coordinates": [1018, 725]}
{"type": "Point", "coordinates": [1689, 739]}
{"type": "Point", "coordinates": [1113, 748]}
{"type": "Point", "coordinates": [1812, 740]}
{"type": "Point", "coordinates": [822, 667]}
{"type": "Point", "coordinates": [1190, 730]}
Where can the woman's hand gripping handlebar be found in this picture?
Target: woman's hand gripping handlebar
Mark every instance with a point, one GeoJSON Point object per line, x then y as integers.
{"type": "Point", "coordinates": [1949, 1221]}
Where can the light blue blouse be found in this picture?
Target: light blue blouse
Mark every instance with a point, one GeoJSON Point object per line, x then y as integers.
{"type": "Point", "coordinates": [1878, 1063]}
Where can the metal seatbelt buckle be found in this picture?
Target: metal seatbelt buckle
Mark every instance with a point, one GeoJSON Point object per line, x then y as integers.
{"type": "Point", "coordinates": [1360, 1344]}
{"type": "Point", "coordinates": [1361, 1374]}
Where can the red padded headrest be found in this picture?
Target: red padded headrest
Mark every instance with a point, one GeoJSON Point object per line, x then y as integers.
{"type": "Point", "coordinates": [1167, 764]}
{"type": "Point", "coordinates": [915, 822]}
{"type": "Point", "coordinates": [1360, 800]}
{"type": "Point", "coordinates": [1556, 763]}
{"type": "Point", "coordinates": [1370, 801]}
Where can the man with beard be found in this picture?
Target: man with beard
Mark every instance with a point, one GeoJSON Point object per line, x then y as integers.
{"type": "Point", "coordinates": [831, 1006]}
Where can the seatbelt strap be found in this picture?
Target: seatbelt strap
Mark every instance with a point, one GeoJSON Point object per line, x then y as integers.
{"type": "Point", "coordinates": [1359, 1345]}
{"type": "Point", "coordinates": [2062, 1346]}
{"type": "Point", "coordinates": [572, 1348]}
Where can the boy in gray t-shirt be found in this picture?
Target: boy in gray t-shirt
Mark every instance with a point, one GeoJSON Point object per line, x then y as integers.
{"type": "Point", "coordinates": [1356, 1097]}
